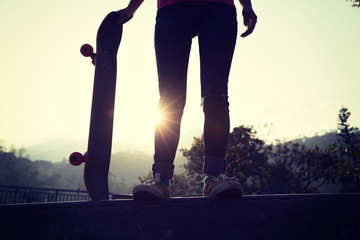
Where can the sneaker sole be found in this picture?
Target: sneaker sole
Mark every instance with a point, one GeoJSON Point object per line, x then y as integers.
{"type": "Point", "coordinates": [145, 192]}
{"type": "Point", "coordinates": [228, 190]}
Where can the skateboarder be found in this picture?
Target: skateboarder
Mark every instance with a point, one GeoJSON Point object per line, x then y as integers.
{"type": "Point", "coordinates": [177, 22]}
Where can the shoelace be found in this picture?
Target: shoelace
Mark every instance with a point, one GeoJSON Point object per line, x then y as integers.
{"type": "Point", "coordinates": [224, 177]}
{"type": "Point", "coordinates": [154, 181]}
{"type": "Point", "coordinates": [218, 179]}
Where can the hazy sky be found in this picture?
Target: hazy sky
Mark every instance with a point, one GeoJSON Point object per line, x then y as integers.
{"type": "Point", "coordinates": [300, 66]}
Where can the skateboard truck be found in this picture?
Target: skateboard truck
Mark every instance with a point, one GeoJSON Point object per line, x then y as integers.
{"type": "Point", "coordinates": [88, 51]}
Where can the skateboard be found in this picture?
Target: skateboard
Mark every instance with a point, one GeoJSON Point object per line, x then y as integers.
{"type": "Point", "coordinates": [97, 157]}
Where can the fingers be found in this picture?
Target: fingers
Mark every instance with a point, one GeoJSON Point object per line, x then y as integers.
{"type": "Point", "coordinates": [123, 17]}
{"type": "Point", "coordinates": [250, 23]}
{"type": "Point", "coordinates": [123, 20]}
{"type": "Point", "coordinates": [250, 20]}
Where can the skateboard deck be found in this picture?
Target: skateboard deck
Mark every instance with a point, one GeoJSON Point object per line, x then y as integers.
{"type": "Point", "coordinates": [97, 158]}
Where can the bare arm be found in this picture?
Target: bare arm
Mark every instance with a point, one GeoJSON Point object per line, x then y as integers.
{"type": "Point", "coordinates": [127, 13]}
{"type": "Point", "coordinates": [245, 2]}
{"type": "Point", "coordinates": [249, 16]}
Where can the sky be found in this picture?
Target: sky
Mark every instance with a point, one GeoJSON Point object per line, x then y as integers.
{"type": "Point", "coordinates": [288, 79]}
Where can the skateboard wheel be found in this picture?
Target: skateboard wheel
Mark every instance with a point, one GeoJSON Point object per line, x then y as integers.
{"type": "Point", "coordinates": [76, 159]}
{"type": "Point", "coordinates": [87, 50]}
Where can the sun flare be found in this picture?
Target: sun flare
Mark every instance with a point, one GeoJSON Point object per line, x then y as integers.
{"type": "Point", "coordinates": [159, 117]}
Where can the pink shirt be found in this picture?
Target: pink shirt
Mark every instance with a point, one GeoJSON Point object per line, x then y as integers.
{"type": "Point", "coordinates": [163, 3]}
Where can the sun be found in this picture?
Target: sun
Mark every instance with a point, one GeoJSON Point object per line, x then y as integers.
{"type": "Point", "coordinates": [159, 118]}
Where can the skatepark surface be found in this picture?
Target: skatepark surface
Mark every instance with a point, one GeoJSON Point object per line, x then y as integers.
{"type": "Point", "coordinates": [305, 216]}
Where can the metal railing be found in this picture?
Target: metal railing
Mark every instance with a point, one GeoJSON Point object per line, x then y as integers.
{"type": "Point", "coordinates": [16, 194]}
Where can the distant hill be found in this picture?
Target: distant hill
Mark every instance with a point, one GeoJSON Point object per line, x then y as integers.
{"type": "Point", "coordinates": [60, 149]}
{"type": "Point", "coordinates": [322, 141]}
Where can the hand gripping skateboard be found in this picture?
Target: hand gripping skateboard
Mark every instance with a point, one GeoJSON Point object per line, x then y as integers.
{"type": "Point", "coordinates": [97, 159]}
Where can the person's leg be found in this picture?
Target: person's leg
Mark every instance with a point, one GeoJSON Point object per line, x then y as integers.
{"type": "Point", "coordinates": [217, 39]}
{"type": "Point", "coordinates": [172, 46]}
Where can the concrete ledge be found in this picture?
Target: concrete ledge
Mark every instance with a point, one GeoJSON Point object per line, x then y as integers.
{"type": "Point", "coordinates": [314, 216]}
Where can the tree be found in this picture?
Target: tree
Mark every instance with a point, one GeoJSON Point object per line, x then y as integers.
{"type": "Point", "coordinates": [349, 136]}
{"type": "Point", "coordinates": [17, 170]}
{"type": "Point", "coordinates": [246, 159]}
{"type": "Point", "coordinates": [355, 3]}
{"type": "Point", "coordinates": [294, 168]}
{"type": "Point", "coordinates": [183, 185]}
{"type": "Point", "coordinates": [194, 158]}
{"type": "Point", "coordinates": [347, 153]}
{"type": "Point", "coordinates": [347, 169]}
{"type": "Point", "coordinates": [282, 168]}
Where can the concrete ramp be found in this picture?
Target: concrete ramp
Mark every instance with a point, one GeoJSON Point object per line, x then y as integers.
{"type": "Point", "coordinates": [275, 217]}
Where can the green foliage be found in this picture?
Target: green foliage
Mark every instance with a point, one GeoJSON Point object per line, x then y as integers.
{"type": "Point", "coordinates": [195, 153]}
{"type": "Point", "coordinates": [347, 153]}
{"type": "Point", "coordinates": [298, 169]}
{"type": "Point", "coordinates": [17, 170]}
{"type": "Point", "coordinates": [355, 3]}
{"type": "Point", "coordinates": [349, 136]}
{"type": "Point", "coordinates": [288, 167]}
{"type": "Point", "coordinates": [183, 185]}
{"type": "Point", "coordinates": [247, 159]}
{"type": "Point", "coordinates": [281, 168]}
{"type": "Point", "coordinates": [347, 165]}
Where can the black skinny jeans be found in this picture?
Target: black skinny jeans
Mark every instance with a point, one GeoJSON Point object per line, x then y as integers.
{"type": "Point", "coordinates": [215, 25]}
